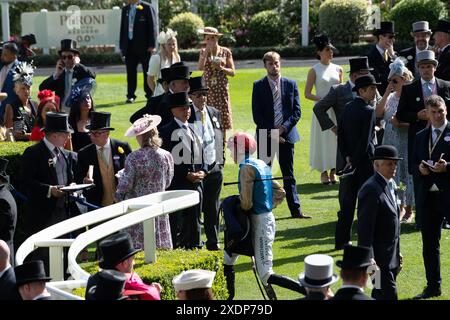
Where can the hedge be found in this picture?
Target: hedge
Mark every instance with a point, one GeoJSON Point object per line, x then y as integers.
{"type": "Point", "coordinates": [170, 263]}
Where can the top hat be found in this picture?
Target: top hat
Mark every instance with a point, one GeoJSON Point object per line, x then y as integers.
{"type": "Point", "coordinates": [68, 45]}
{"type": "Point", "coordinates": [100, 121]}
{"type": "Point", "coordinates": [32, 271]}
{"type": "Point", "coordinates": [210, 30]}
{"type": "Point", "coordinates": [115, 249]}
{"type": "Point", "coordinates": [318, 271]}
{"type": "Point", "coordinates": [193, 279]}
{"type": "Point", "coordinates": [165, 72]}
{"type": "Point", "coordinates": [30, 39]}
{"type": "Point", "coordinates": [3, 166]}
{"type": "Point", "coordinates": [57, 122]}
{"type": "Point", "coordinates": [421, 26]}
{"type": "Point", "coordinates": [321, 41]}
{"type": "Point", "coordinates": [143, 125]}
{"type": "Point", "coordinates": [196, 84]}
{"type": "Point", "coordinates": [355, 257]}
{"type": "Point", "coordinates": [110, 286]}
{"type": "Point", "coordinates": [359, 64]}
{"type": "Point", "coordinates": [443, 26]}
{"type": "Point", "coordinates": [385, 27]}
{"type": "Point", "coordinates": [179, 71]}
{"type": "Point", "coordinates": [179, 99]}
{"type": "Point", "coordinates": [365, 81]}
{"type": "Point", "coordinates": [426, 56]}
{"type": "Point", "coordinates": [386, 152]}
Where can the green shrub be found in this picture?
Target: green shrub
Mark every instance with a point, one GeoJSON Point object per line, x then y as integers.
{"type": "Point", "coordinates": [187, 25]}
{"type": "Point", "coordinates": [343, 20]}
{"type": "Point", "coordinates": [406, 12]}
{"type": "Point", "coordinates": [266, 28]}
{"type": "Point", "coordinates": [169, 9]}
{"type": "Point", "coordinates": [170, 263]}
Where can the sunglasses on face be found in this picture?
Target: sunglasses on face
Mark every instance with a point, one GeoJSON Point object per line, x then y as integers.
{"type": "Point", "coordinates": [64, 57]}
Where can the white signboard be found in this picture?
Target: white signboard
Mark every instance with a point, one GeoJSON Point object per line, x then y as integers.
{"type": "Point", "coordinates": [87, 27]}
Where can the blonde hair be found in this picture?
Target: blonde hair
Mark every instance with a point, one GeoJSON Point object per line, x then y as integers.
{"type": "Point", "coordinates": [408, 76]}
{"type": "Point", "coordinates": [271, 55]}
{"type": "Point", "coordinates": [151, 139]}
{"type": "Point", "coordinates": [165, 55]}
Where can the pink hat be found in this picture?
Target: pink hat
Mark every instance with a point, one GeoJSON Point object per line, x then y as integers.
{"type": "Point", "coordinates": [143, 125]}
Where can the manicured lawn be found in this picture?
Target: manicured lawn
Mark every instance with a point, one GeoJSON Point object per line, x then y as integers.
{"type": "Point", "coordinates": [295, 239]}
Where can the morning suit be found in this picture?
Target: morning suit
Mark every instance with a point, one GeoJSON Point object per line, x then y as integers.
{"type": "Point", "coordinates": [134, 42]}
{"type": "Point", "coordinates": [212, 183]}
{"type": "Point", "coordinates": [410, 55]}
{"type": "Point", "coordinates": [8, 288]}
{"type": "Point", "coordinates": [379, 229]}
{"type": "Point", "coordinates": [8, 218]}
{"type": "Point", "coordinates": [443, 68]}
{"type": "Point", "coordinates": [184, 225]}
{"type": "Point", "coordinates": [356, 135]}
{"type": "Point", "coordinates": [59, 84]}
{"type": "Point", "coordinates": [151, 107]}
{"type": "Point", "coordinates": [263, 110]}
{"type": "Point", "coordinates": [380, 68]}
{"type": "Point", "coordinates": [8, 87]}
{"type": "Point", "coordinates": [89, 156]}
{"type": "Point", "coordinates": [350, 294]}
{"type": "Point", "coordinates": [434, 205]}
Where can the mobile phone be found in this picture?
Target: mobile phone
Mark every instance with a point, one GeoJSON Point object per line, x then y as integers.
{"type": "Point", "coordinates": [426, 164]}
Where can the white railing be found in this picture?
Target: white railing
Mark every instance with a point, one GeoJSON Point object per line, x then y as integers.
{"type": "Point", "coordinates": [112, 218]}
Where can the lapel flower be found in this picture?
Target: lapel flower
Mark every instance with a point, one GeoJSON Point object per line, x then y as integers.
{"type": "Point", "coordinates": [139, 7]}
{"type": "Point", "coordinates": [409, 57]}
{"type": "Point", "coordinates": [401, 187]}
{"type": "Point", "coordinates": [216, 122]}
{"type": "Point", "coordinates": [418, 99]}
{"type": "Point", "coordinates": [120, 150]}
{"type": "Point", "coordinates": [74, 80]}
{"type": "Point", "coordinates": [51, 162]}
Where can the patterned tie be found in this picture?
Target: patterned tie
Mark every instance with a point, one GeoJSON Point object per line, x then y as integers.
{"type": "Point", "coordinates": [103, 156]}
{"type": "Point", "coordinates": [386, 56]}
{"type": "Point", "coordinates": [427, 90]}
{"type": "Point", "coordinates": [131, 16]}
{"type": "Point", "coordinates": [276, 104]}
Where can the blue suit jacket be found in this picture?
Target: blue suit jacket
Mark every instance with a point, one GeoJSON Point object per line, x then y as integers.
{"type": "Point", "coordinates": [262, 107]}
{"type": "Point", "coordinates": [8, 87]}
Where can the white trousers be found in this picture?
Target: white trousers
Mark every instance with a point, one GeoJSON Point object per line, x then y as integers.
{"type": "Point", "coordinates": [263, 235]}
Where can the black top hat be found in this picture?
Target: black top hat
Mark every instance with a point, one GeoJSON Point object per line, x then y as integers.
{"type": "Point", "coordinates": [110, 286]}
{"type": "Point", "coordinates": [179, 71]}
{"type": "Point", "coordinates": [57, 122]}
{"type": "Point", "coordinates": [196, 84]}
{"type": "Point", "coordinates": [386, 152]}
{"type": "Point", "coordinates": [359, 64]}
{"type": "Point", "coordinates": [68, 45]}
{"type": "Point", "coordinates": [179, 99]}
{"type": "Point", "coordinates": [164, 75]}
{"type": "Point", "coordinates": [30, 39]}
{"type": "Point", "coordinates": [365, 81]}
{"type": "Point", "coordinates": [32, 271]}
{"type": "Point", "coordinates": [321, 41]}
{"type": "Point", "coordinates": [355, 257]}
{"type": "Point", "coordinates": [100, 121]}
{"type": "Point", "coordinates": [3, 166]}
{"type": "Point", "coordinates": [385, 27]}
{"type": "Point", "coordinates": [115, 249]}
{"type": "Point", "coordinates": [442, 25]}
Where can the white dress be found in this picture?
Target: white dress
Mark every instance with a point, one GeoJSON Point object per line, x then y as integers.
{"type": "Point", "coordinates": [154, 69]}
{"type": "Point", "coordinates": [323, 144]}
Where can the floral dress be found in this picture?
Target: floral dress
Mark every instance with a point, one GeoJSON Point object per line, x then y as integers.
{"type": "Point", "coordinates": [217, 82]}
{"type": "Point", "coordinates": [147, 171]}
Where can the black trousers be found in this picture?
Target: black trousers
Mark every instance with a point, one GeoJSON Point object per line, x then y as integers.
{"type": "Point", "coordinates": [212, 185]}
{"type": "Point", "coordinates": [433, 215]}
{"type": "Point", "coordinates": [348, 194]}
{"type": "Point", "coordinates": [132, 59]}
{"type": "Point", "coordinates": [388, 285]}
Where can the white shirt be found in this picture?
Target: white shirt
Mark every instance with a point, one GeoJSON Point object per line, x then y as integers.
{"type": "Point", "coordinates": [50, 147]}
{"type": "Point", "coordinates": [206, 132]}
{"type": "Point", "coordinates": [394, 197]}
{"type": "Point", "coordinates": [185, 124]}
{"type": "Point", "coordinates": [106, 150]}
{"type": "Point", "coordinates": [277, 105]}
{"type": "Point", "coordinates": [440, 50]}
{"type": "Point", "coordinates": [381, 50]}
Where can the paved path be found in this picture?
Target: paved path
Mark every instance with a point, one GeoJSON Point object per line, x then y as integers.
{"type": "Point", "coordinates": [239, 64]}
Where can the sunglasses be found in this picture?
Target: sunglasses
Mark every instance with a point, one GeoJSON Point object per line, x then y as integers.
{"type": "Point", "coordinates": [70, 57]}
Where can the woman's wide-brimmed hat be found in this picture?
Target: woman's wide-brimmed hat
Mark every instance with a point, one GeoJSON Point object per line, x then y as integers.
{"type": "Point", "coordinates": [210, 30]}
{"type": "Point", "coordinates": [143, 125]}
{"type": "Point", "coordinates": [193, 279]}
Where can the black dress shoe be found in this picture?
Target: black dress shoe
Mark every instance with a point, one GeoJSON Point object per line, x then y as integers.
{"type": "Point", "coordinates": [300, 216]}
{"type": "Point", "coordinates": [428, 293]}
{"type": "Point", "coordinates": [340, 246]}
{"type": "Point", "coordinates": [446, 225]}
{"type": "Point", "coordinates": [130, 100]}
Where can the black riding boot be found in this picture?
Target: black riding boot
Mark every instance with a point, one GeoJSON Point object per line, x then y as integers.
{"type": "Point", "coordinates": [228, 272]}
{"type": "Point", "coordinates": [286, 282]}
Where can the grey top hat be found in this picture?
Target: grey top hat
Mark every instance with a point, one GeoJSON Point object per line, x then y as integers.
{"type": "Point", "coordinates": [421, 26]}
{"type": "Point", "coordinates": [426, 56]}
{"type": "Point", "coordinates": [318, 271]}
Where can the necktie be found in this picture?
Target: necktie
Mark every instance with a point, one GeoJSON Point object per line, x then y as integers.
{"type": "Point", "coordinates": [131, 16]}
{"type": "Point", "coordinates": [56, 152]}
{"type": "Point", "coordinates": [203, 117]}
{"type": "Point", "coordinates": [437, 132]}
{"type": "Point", "coordinates": [391, 185]}
{"type": "Point", "coordinates": [427, 90]}
{"type": "Point", "coordinates": [386, 56]}
{"type": "Point", "coordinates": [103, 156]}
{"type": "Point", "coordinates": [278, 112]}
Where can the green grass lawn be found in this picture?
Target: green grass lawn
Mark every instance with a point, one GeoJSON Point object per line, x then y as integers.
{"type": "Point", "coordinates": [295, 239]}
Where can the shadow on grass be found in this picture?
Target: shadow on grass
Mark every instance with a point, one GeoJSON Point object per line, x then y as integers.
{"type": "Point", "coordinates": [141, 104]}
{"type": "Point", "coordinates": [311, 188]}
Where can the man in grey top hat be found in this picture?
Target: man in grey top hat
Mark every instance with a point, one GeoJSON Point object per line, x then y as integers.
{"type": "Point", "coordinates": [318, 277]}
{"type": "Point", "coordinates": [421, 34]}
{"type": "Point", "coordinates": [441, 35]}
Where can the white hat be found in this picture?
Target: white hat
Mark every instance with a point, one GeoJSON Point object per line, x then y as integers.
{"type": "Point", "coordinates": [163, 37]}
{"type": "Point", "coordinates": [318, 271]}
{"type": "Point", "coordinates": [193, 279]}
{"type": "Point", "coordinates": [397, 68]}
{"type": "Point", "coordinates": [143, 125]}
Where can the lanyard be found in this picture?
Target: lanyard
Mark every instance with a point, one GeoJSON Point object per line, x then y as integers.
{"type": "Point", "coordinates": [431, 146]}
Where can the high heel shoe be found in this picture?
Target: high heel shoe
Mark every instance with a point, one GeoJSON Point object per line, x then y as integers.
{"type": "Point", "coordinates": [333, 177]}
{"type": "Point", "coordinates": [324, 178]}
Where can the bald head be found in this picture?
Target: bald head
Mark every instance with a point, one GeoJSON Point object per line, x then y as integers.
{"type": "Point", "coordinates": [4, 255]}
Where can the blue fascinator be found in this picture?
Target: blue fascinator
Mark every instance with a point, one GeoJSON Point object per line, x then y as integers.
{"type": "Point", "coordinates": [80, 90]}
{"type": "Point", "coordinates": [397, 67]}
